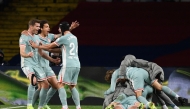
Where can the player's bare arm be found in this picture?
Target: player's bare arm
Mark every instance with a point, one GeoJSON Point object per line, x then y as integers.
{"type": "Point", "coordinates": [44, 55]}
{"type": "Point", "coordinates": [44, 47]}
{"type": "Point", "coordinates": [55, 50]}
{"type": "Point", "coordinates": [23, 54]}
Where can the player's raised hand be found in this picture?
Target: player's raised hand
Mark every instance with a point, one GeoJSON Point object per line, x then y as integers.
{"type": "Point", "coordinates": [74, 25]}
{"type": "Point", "coordinates": [33, 44]}
{"type": "Point", "coordinates": [30, 54]}
{"type": "Point", "coordinates": [25, 32]}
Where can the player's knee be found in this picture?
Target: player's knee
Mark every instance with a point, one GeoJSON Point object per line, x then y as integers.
{"type": "Point", "coordinates": [59, 85]}
{"type": "Point", "coordinates": [71, 86]}
{"type": "Point", "coordinates": [157, 85]}
{"type": "Point", "coordinates": [53, 83]}
{"type": "Point", "coordinates": [44, 84]}
{"type": "Point", "coordinates": [39, 87]}
{"type": "Point", "coordinates": [138, 93]}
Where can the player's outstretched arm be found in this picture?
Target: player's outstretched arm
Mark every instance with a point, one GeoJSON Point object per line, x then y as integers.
{"type": "Point", "coordinates": [44, 55]}
{"type": "Point", "coordinates": [55, 50]}
{"type": "Point", "coordinates": [44, 47]}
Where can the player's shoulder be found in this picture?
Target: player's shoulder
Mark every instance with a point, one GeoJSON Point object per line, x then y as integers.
{"type": "Point", "coordinates": [24, 36]}
{"type": "Point", "coordinates": [116, 71]}
{"type": "Point", "coordinates": [71, 36]}
{"type": "Point", "coordinates": [50, 34]}
{"type": "Point", "coordinates": [36, 36]}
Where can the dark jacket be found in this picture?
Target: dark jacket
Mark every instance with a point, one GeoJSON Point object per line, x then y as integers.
{"type": "Point", "coordinates": [120, 88]}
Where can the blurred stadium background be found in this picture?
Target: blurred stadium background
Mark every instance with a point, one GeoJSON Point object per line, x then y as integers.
{"type": "Point", "coordinates": [154, 30]}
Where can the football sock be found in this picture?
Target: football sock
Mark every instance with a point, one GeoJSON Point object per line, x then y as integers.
{"type": "Point", "coordinates": [50, 93]}
{"type": "Point", "coordinates": [63, 96]}
{"type": "Point", "coordinates": [35, 97]}
{"type": "Point", "coordinates": [168, 91]}
{"type": "Point", "coordinates": [75, 96]}
{"type": "Point", "coordinates": [142, 100]}
{"type": "Point", "coordinates": [31, 90]}
{"type": "Point", "coordinates": [43, 94]}
{"type": "Point", "coordinates": [164, 97]}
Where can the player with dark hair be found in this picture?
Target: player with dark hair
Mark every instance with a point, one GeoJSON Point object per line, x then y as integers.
{"type": "Point", "coordinates": [71, 64]}
{"type": "Point", "coordinates": [1, 58]}
{"type": "Point", "coordinates": [121, 95]}
{"type": "Point", "coordinates": [30, 63]}
{"type": "Point", "coordinates": [46, 38]}
{"type": "Point", "coordinates": [156, 75]}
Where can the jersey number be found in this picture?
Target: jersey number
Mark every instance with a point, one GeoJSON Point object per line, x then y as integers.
{"type": "Point", "coordinates": [72, 46]}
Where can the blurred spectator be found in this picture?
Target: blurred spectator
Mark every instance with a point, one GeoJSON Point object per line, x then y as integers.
{"type": "Point", "coordinates": [15, 60]}
{"type": "Point", "coordinates": [4, 3]}
{"type": "Point", "coordinates": [1, 5]}
{"type": "Point", "coordinates": [55, 55]}
{"type": "Point", "coordinates": [1, 58]}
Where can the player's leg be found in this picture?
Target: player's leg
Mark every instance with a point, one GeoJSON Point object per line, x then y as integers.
{"type": "Point", "coordinates": [138, 85]}
{"type": "Point", "coordinates": [28, 71]}
{"type": "Point", "coordinates": [61, 89]}
{"type": "Point", "coordinates": [36, 95]}
{"type": "Point", "coordinates": [162, 102]}
{"type": "Point", "coordinates": [139, 77]}
{"type": "Point", "coordinates": [74, 72]}
{"type": "Point", "coordinates": [147, 92]}
{"type": "Point", "coordinates": [164, 97]}
{"type": "Point", "coordinates": [51, 77]}
{"type": "Point", "coordinates": [168, 91]}
{"type": "Point", "coordinates": [40, 74]}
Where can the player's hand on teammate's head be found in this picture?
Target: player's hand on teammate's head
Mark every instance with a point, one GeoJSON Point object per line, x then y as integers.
{"type": "Point", "coordinates": [33, 44]}
{"type": "Point", "coordinates": [25, 32]}
{"type": "Point", "coordinates": [74, 25]}
{"type": "Point", "coordinates": [30, 54]}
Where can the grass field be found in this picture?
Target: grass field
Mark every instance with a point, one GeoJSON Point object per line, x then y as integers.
{"type": "Point", "coordinates": [70, 107]}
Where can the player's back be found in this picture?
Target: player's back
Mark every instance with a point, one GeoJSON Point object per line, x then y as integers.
{"type": "Point", "coordinates": [69, 47]}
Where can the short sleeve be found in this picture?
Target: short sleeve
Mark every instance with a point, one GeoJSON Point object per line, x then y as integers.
{"type": "Point", "coordinates": [22, 40]}
{"type": "Point", "coordinates": [51, 37]}
{"type": "Point", "coordinates": [60, 41]}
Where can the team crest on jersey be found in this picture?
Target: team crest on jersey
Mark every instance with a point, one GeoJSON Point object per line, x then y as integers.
{"type": "Point", "coordinates": [57, 39]}
{"type": "Point", "coordinates": [20, 40]}
{"type": "Point", "coordinates": [49, 40]}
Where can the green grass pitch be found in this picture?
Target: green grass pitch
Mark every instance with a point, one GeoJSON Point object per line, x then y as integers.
{"type": "Point", "coordinates": [70, 107]}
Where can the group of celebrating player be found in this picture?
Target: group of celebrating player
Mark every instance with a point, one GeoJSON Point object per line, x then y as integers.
{"type": "Point", "coordinates": [133, 85]}
{"type": "Point", "coordinates": [35, 45]}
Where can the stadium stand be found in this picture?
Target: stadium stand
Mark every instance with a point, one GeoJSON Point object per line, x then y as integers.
{"type": "Point", "coordinates": [15, 16]}
{"type": "Point", "coordinates": [149, 31]}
